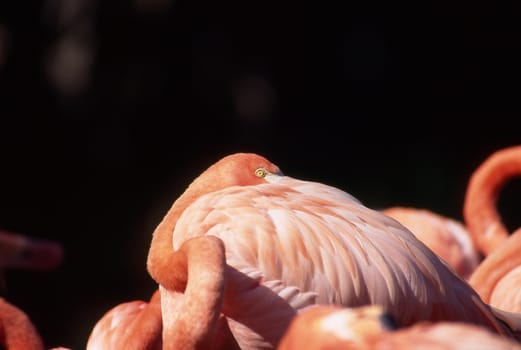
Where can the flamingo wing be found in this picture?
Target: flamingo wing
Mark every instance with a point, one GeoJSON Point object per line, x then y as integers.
{"type": "Point", "coordinates": [319, 239]}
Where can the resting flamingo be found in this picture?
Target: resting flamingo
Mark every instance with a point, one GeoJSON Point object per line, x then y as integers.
{"type": "Point", "coordinates": [191, 313]}
{"type": "Point", "coordinates": [445, 236]}
{"type": "Point", "coordinates": [371, 328]}
{"type": "Point", "coordinates": [479, 209]}
{"type": "Point", "coordinates": [299, 243]}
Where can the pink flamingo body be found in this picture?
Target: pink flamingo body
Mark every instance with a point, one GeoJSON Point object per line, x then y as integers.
{"type": "Point", "coordinates": [291, 244]}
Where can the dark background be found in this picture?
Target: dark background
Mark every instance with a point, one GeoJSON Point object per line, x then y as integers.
{"type": "Point", "coordinates": [110, 108]}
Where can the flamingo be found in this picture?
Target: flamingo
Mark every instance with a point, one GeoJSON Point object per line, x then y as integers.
{"type": "Point", "coordinates": [479, 209]}
{"type": "Point", "coordinates": [17, 332]}
{"type": "Point", "coordinates": [447, 237]}
{"type": "Point", "coordinates": [188, 316]}
{"type": "Point", "coordinates": [498, 278]}
{"type": "Point", "coordinates": [130, 325]}
{"type": "Point", "coordinates": [328, 327]}
{"type": "Point", "coordinates": [291, 244]}
{"type": "Point", "coordinates": [336, 327]}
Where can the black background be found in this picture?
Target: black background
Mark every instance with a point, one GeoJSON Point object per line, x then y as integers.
{"type": "Point", "coordinates": [395, 102]}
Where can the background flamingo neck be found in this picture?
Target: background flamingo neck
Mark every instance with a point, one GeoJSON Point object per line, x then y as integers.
{"type": "Point", "coordinates": [480, 210]}
{"type": "Point", "coordinates": [16, 329]}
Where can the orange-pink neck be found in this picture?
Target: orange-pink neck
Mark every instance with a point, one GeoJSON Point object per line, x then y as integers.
{"type": "Point", "coordinates": [480, 213]}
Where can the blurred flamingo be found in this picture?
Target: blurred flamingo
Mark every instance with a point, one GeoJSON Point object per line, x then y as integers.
{"type": "Point", "coordinates": [371, 328]}
{"type": "Point", "coordinates": [18, 251]}
{"type": "Point", "coordinates": [479, 210]}
{"type": "Point", "coordinates": [336, 327]}
{"type": "Point", "coordinates": [445, 236]}
{"type": "Point", "coordinates": [297, 243]}
{"type": "Point", "coordinates": [188, 316]}
{"type": "Point", "coordinates": [17, 332]}
{"type": "Point", "coordinates": [498, 278]}
{"type": "Point", "coordinates": [131, 325]}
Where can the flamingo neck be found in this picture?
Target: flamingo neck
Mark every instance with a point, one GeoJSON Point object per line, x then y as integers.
{"type": "Point", "coordinates": [190, 317]}
{"type": "Point", "coordinates": [480, 213]}
{"type": "Point", "coordinates": [16, 329]}
{"type": "Point", "coordinates": [160, 256]}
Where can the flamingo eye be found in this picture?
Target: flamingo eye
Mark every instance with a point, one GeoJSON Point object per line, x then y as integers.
{"type": "Point", "coordinates": [261, 172]}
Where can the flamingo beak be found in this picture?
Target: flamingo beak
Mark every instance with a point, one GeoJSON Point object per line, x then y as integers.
{"type": "Point", "coordinates": [40, 255]}
{"type": "Point", "coordinates": [19, 251]}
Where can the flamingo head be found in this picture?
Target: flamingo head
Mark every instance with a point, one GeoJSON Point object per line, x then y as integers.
{"type": "Point", "coordinates": [239, 169]}
{"type": "Point", "coordinates": [335, 327]}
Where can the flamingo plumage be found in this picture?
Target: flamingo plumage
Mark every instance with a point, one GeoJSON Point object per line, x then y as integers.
{"type": "Point", "coordinates": [480, 213]}
{"type": "Point", "coordinates": [445, 236]}
{"type": "Point", "coordinates": [328, 327]}
{"type": "Point", "coordinates": [300, 243]}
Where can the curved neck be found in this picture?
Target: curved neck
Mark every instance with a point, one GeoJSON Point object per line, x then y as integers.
{"type": "Point", "coordinates": [479, 210]}
{"type": "Point", "coordinates": [496, 266]}
{"type": "Point", "coordinates": [160, 255]}
{"type": "Point", "coordinates": [16, 329]}
{"type": "Point", "coordinates": [190, 315]}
